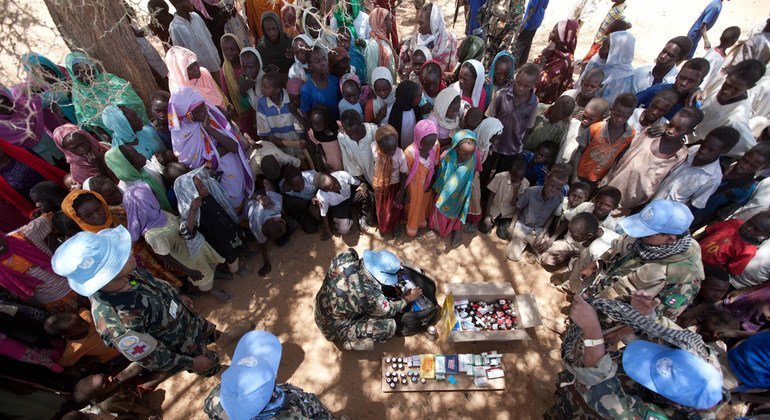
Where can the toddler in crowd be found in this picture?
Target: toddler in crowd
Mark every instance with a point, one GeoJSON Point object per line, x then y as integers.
{"type": "Point", "coordinates": [390, 171]}
{"type": "Point", "coordinates": [539, 162]}
{"type": "Point", "coordinates": [505, 188]}
{"type": "Point", "coordinates": [323, 134]}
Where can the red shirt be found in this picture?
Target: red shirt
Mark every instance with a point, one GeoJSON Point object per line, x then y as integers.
{"type": "Point", "coordinates": [723, 247]}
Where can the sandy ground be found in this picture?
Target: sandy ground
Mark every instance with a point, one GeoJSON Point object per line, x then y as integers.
{"type": "Point", "coordinates": [348, 382]}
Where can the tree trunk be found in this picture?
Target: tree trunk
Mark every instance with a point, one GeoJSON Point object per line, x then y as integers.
{"type": "Point", "coordinates": [100, 28]}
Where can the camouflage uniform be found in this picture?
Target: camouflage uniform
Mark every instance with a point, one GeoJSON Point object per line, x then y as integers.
{"type": "Point", "coordinates": [675, 280]}
{"type": "Point", "coordinates": [605, 391]}
{"type": "Point", "coordinates": [150, 324]}
{"type": "Point", "coordinates": [502, 22]}
{"type": "Point", "coordinates": [350, 307]}
{"type": "Point", "coordinates": [297, 405]}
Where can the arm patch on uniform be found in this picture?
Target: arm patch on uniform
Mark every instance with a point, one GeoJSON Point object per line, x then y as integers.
{"type": "Point", "coordinates": [674, 300]}
{"type": "Point", "coordinates": [135, 346]}
{"type": "Point", "coordinates": [652, 415]}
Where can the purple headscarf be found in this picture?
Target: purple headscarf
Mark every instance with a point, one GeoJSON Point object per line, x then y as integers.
{"type": "Point", "coordinates": [142, 210]}
{"type": "Point", "coordinates": [25, 125]}
{"type": "Point", "coordinates": [195, 148]}
{"type": "Point", "coordinates": [423, 129]}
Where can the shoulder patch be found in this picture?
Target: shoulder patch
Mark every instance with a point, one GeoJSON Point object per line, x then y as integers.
{"type": "Point", "coordinates": [135, 346]}
{"type": "Point", "coordinates": [674, 300]}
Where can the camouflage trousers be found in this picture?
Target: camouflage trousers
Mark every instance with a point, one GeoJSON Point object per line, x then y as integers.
{"type": "Point", "coordinates": [210, 335]}
{"type": "Point", "coordinates": [377, 329]}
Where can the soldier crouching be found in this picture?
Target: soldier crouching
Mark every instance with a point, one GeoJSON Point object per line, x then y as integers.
{"type": "Point", "coordinates": [351, 308]}
{"type": "Point", "coordinates": [145, 319]}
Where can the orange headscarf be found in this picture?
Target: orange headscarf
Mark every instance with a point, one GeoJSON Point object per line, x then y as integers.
{"type": "Point", "coordinates": [379, 33]}
{"type": "Point", "coordinates": [383, 168]}
{"type": "Point", "coordinates": [69, 209]}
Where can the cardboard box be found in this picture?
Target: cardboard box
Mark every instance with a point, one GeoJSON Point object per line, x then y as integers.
{"type": "Point", "coordinates": [526, 309]}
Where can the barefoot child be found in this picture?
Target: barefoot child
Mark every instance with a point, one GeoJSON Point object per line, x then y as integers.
{"type": "Point", "coordinates": [323, 133]}
{"type": "Point", "coordinates": [390, 172]}
{"type": "Point", "coordinates": [266, 223]}
{"type": "Point", "coordinates": [454, 184]}
{"type": "Point", "coordinates": [422, 157]}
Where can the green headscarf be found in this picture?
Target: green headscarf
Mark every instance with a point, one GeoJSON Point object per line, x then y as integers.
{"type": "Point", "coordinates": [125, 171]}
{"type": "Point", "coordinates": [106, 89]}
{"type": "Point", "coordinates": [346, 19]}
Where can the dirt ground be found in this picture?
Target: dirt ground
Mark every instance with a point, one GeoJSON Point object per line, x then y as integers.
{"type": "Point", "coordinates": [348, 382]}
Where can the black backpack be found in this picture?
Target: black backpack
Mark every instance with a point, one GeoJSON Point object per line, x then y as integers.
{"type": "Point", "coordinates": [415, 322]}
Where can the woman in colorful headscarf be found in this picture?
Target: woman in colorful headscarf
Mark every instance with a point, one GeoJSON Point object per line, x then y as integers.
{"type": "Point", "coordinates": [254, 11]}
{"type": "Point", "coordinates": [470, 84]}
{"type": "Point", "coordinates": [289, 20]}
{"type": "Point", "coordinates": [93, 89]}
{"type": "Point", "coordinates": [618, 72]}
{"type": "Point", "coordinates": [433, 34]}
{"type": "Point", "coordinates": [453, 185]}
{"type": "Point", "coordinates": [25, 269]}
{"type": "Point", "coordinates": [446, 115]}
{"type": "Point", "coordinates": [421, 157]}
{"type": "Point", "coordinates": [405, 114]}
{"type": "Point", "coordinates": [91, 213]}
{"type": "Point", "coordinates": [184, 71]}
{"type": "Point", "coordinates": [201, 135]}
{"type": "Point", "coordinates": [50, 81]}
{"type": "Point", "coordinates": [25, 122]}
{"type": "Point", "coordinates": [500, 74]}
{"type": "Point", "coordinates": [274, 45]}
{"type": "Point", "coordinates": [557, 61]}
{"type": "Point", "coordinates": [160, 230]}
{"type": "Point", "coordinates": [128, 165]}
{"type": "Point", "coordinates": [83, 152]}
{"type": "Point", "coordinates": [127, 128]}
{"type": "Point", "coordinates": [353, 17]}
{"type": "Point", "coordinates": [379, 52]}
{"type": "Point", "coordinates": [20, 170]}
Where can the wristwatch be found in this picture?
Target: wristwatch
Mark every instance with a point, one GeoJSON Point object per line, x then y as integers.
{"type": "Point", "coordinates": [593, 343]}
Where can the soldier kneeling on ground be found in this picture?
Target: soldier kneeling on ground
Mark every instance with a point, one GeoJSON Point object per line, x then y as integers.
{"type": "Point", "coordinates": [351, 308]}
{"type": "Point", "coordinates": [143, 318]}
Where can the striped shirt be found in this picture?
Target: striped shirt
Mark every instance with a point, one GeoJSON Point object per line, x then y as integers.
{"type": "Point", "coordinates": [54, 287]}
{"type": "Point", "coordinates": [274, 120]}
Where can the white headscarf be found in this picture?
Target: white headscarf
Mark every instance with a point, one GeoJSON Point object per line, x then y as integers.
{"type": "Point", "coordinates": [437, 29]}
{"type": "Point", "coordinates": [478, 87]}
{"type": "Point", "coordinates": [383, 73]}
{"type": "Point", "coordinates": [488, 128]}
{"type": "Point", "coordinates": [440, 106]}
{"type": "Point", "coordinates": [255, 93]}
{"type": "Point", "coordinates": [425, 51]}
{"type": "Point", "coordinates": [620, 57]}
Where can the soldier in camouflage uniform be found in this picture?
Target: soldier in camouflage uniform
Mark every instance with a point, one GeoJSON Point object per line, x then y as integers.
{"type": "Point", "coordinates": [248, 389]}
{"type": "Point", "coordinates": [350, 307]}
{"type": "Point", "coordinates": [644, 380]}
{"type": "Point", "coordinates": [143, 318]}
{"type": "Point", "coordinates": [501, 21]}
{"type": "Point", "coordinates": [657, 255]}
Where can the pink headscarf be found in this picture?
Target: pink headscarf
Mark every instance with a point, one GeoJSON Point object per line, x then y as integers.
{"type": "Point", "coordinates": [423, 129]}
{"type": "Point", "coordinates": [80, 167]}
{"type": "Point", "coordinates": [366, 92]}
{"type": "Point", "coordinates": [198, 4]}
{"type": "Point", "coordinates": [379, 33]}
{"type": "Point", "coordinates": [177, 61]}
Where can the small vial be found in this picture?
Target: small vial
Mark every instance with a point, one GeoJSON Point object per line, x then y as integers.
{"type": "Point", "coordinates": [422, 380]}
{"type": "Point", "coordinates": [403, 381]}
{"type": "Point", "coordinates": [400, 366]}
{"type": "Point", "coordinates": [392, 385]}
{"type": "Point", "coordinates": [394, 366]}
{"type": "Point", "coordinates": [387, 360]}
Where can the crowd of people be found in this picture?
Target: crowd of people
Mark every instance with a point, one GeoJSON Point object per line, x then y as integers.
{"type": "Point", "coordinates": [646, 186]}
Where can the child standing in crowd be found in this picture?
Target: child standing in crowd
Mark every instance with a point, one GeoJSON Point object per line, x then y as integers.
{"type": "Point", "coordinates": [323, 133]}
{"type": "Point", "coordinates": [606, 142]}
{"type": "Point", "coordinates": [505, 189]}
{"type": "Point", "coordinates": [432, 82]}
{"type": "Point", "coordinates": [275, 121]}
{"type": "Point", "coordinates": [654, 114]}
{"type": "Point", "coordinates": [716, 56]}
{"type": "Point", "coordinates": [453, 186]}
{"type": "Point", "coordinates": [696, 179]}
{"type": "Point", "coordinates": [301, 48]}
{"type": "Point", "coordinates": [378, 108]}
{"type": "Point", "coordinates": [352, 94]}
{"type": "Point", "coordinates": [355, 141]}
{"type": "Point", "coordinates": [539, 162]}
{"type": "Point", "coordinates": [390, 172]}
{"type": "Point", "coordinates": [649, 159]}
{"type": "Point", "coordinates": [577, 131]}
{"type": "Point", "coordinates": [159, 116]}
{"type": "Point", "coordinates": [321, 87]}
{"type": "Point", "coordinates": [445, 115]}
{"type": "Point", "coordinates": [586, 91]}
{"type": "Point", "coordinates": [686, 82]}
{"type": "Point", "coordinates": [405, 114]}
{"type": "Point", "coordinates": [422, 157]}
